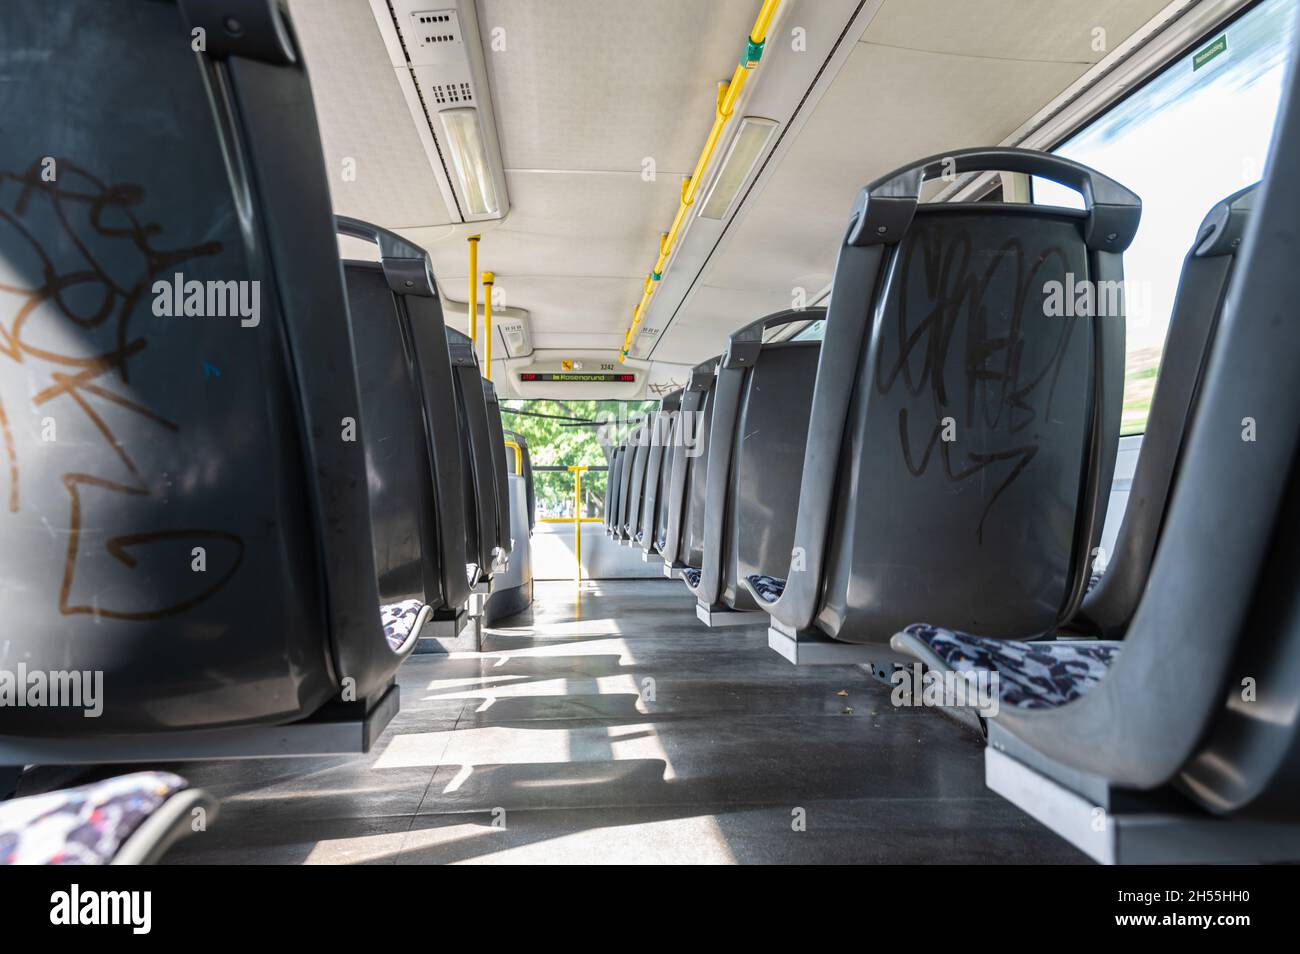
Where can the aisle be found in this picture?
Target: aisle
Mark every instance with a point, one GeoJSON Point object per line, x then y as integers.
{"type": "Point", "coordinates": [622, 730]}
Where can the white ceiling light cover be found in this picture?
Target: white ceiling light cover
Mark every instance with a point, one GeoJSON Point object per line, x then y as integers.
{"type": "Point", "coordinates": [469, 157]}
{"type": "Point", "coordinates": [746, 147]}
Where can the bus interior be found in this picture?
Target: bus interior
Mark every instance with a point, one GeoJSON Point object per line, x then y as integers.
{"type": "Point", "coordinates": [649, 432]}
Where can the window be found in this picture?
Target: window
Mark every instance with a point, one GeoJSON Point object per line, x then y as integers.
{"type": "Point", "coordinates": [561, 434]}
{"type": "Point", "coordinates": [814, 331]}
{"type": "Point", "coordinates": [1193, 135]}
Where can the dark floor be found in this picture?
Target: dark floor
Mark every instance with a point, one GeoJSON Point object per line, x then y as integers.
{"type": "Point", "coordinates": [623, 730]}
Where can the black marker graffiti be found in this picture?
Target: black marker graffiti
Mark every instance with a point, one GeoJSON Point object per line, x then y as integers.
{"type": "Point", "coordinates": [85, 292]}
{"type": "Point", "coordinates": [997, 383]}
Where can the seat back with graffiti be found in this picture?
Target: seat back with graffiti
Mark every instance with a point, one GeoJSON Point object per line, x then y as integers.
{"type": "Point", "coordinates": [963, 431]}
{"type": "Point", "coordinates": [178, 407]}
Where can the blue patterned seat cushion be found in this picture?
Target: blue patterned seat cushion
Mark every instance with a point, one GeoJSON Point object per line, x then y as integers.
{"type": "Point", "coordinates": [768, 588]}
{"type": "Point", "coordinates": [691, 575]}
{"type": "Point", "coordinates": [1038, 675]}
{"type": "Point", "coordinates": [398, 619]}
{"type": "Point", "coordinates": [84, 825]}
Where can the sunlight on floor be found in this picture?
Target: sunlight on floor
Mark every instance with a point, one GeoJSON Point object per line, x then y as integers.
{"type": "Point", "coordinates": [667, 742]}
{"type": "Point", "coordinates": [694, 840]}
{"type": "Point", "coordinates": [512, 745]}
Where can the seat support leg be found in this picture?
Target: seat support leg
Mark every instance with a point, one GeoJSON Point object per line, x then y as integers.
{"type": "Point", "coordinates": [1129, 834]}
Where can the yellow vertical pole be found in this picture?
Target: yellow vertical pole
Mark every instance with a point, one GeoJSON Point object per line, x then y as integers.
{"type": "Point", "coordinates": [577, 520]}
{"type": "Point", "coordinates": [488, 281]}
{"type": "Point", "coordinates": [473, 290]}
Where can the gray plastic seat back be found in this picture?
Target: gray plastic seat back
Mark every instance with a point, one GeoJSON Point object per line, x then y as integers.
{"type": "Point", "coordinates": [403, 504]}
{"type": "Point", "coordinates": [527, 474]}
{"type": "Point", "coordinates": [1207, 271]}
{"type": "Point", "coordinates": [767, 467]}
{"type": "Point", "coordinates": [613, 484]}
{"type": "Point", "coordinates": [688, 467]}
{"type": "Point", "coordinates": [962, 438]}
{"type": "Point", "coordinates": [757, 431]}
{"type": "Point", "coordinates": [185, 506]}
{"type": "Point", "coordinates": [500, 476]}
{"type": "Point", "coordinates": [477, 454]}
{"type": "Point", "coordinates": [625, 490]}
{"type": "Point", "coordinates": [672, 436]}
{"type": "Point", "coordinates": [412, 321]}
{"type": "Point", "coordinates": [640, 456]}
{"type": "Point", "coordinates": [661, 440]}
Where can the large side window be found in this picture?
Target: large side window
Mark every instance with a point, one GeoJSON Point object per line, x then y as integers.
{"type": "Point", "coordinates": [1194, 134]}
{"type": "Point", "coordinates": [814, 331]}
{"type": "Point", "coordinates": [561, 434]}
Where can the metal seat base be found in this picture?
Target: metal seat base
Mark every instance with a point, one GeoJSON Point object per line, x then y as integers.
{"type": "Point", "coordinates": [446, 633]}
{"type": "Point", "coordinates": [814, 648]}
{"type": "Point", "coordinates": [338, 728]}
{"type": "Point", "coordinates": [1131, 835]}
{"type": "Point", "coordinates": [716, 618]}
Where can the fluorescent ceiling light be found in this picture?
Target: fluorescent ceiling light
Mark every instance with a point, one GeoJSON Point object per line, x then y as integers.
{"type": "Point", "coordinates": [468, 155]}
{"type": "Point", "coordinates": [749, 142]}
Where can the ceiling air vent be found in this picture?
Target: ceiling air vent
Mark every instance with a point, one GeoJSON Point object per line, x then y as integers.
{"type": "Point", "coordinates": [436, 28]}
{"type": "Point", "coordinates": [445, 94]}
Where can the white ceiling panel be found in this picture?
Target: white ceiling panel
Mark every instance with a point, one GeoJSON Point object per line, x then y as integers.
{"type": "Point", "coordinates": [1047, 30]}
{"type": "Point", "coordinates": [928, 76]}
{"type": "Point", "coordinates": [363, 117]}
{"type": "Point", "coordinates": [585, 90]}
{"type": "Point", "coordinates": [888, 107]}
{"type": "Point", "coordinates": [566, 225]}
{"type": "Point", "coordinates": [602, 84]}
{"type": "Point", "coordinates": [718, 312]}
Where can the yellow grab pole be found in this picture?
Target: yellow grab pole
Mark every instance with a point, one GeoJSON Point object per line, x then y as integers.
{"type": "Point", "coordinates": [488, 281]}
{"type": "Point", "coordinates": [577, 520]}
{"type": "Point", "coordinates": [728, 95]}
{"type": "Point", "coordinates": [519, 457]}
{"type": "Point", "coordinates": [473, 290]}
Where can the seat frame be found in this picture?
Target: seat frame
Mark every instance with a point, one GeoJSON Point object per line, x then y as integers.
{"type": "Point", "coordinates": [878, 222]}
{"type": "Point", "coordinates": [739, 358]}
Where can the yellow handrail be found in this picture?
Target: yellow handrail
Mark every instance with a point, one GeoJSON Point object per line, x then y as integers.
{"type": "Point", "coordinates": [473, 290]}
{"type": "Point", "coordinates": [519, 457]}
{"type": "Point", "coordinates": [577, 518]}
{"type": "Point", "coordinates": [488, 281]}
{"type": "Point", "coordinates": [728, 94]}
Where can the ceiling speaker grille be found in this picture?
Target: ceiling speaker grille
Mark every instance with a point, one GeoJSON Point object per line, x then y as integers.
{"type": "Point", "coordinates": [436, 27]}
{"type": "Point", "coordinates": [447, 93]}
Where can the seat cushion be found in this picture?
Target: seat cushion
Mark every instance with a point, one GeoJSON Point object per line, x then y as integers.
{"type": "Point", "coordinates": [768, 588]}
{"type": "Point", "coordinates": [1037, 675]}
{"type": "Point", "coordinates": [86, 825]}
{"type": "Point", "coordinates": [398, 618]}
{"type": "Point", "coordinates": [691, 575]}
